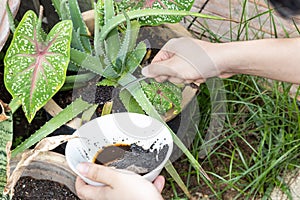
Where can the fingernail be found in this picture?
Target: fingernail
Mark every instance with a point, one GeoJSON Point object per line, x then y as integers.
{"type": "Point", "coordinates": [83, 168]}
{"type": "Point", "coordinates": [145, 71]}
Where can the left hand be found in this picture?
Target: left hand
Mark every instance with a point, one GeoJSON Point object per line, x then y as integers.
{"type": "Point", "coordinates": [119, 185]}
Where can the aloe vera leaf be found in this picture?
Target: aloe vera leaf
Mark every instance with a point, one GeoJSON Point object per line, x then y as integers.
{"type": "Point", "coordinates": [108, 10]}
{"type": "Point", "coordinates": [71, 111]}
{"type": "Point", "coordinates": [108, 82]}
{"type": "Point", "coordinates": [135, 57]}
{"type": "Point", "coordinates": [122, 54]}
{"type": "Point", "coordinates": [76, 42]}
{"type": "Point", "coordinates": [134, 14]}
{"type": "Point", "coordinates": [172, 171]}
{"type": "Point", "coordinates": [88, 114]}
{"type": "Point", "coordinates": [128, 44]}
{"type": "Point", "coordinates": [113, 39]}
{"type": "Point", "coordinates": [130, 103]}
{"type": "Point", "coordinates": [80, 78]}
{"type": "Point", "coordinates": [35, 70]}
{"type": "Point", "coordinates": [6, 134]}
{"type": "Point", "coordinates": [86, 61]}
{"type": "Point", "coordinates": [69, 10]}
{"type": "Point", "coordinates": [10, 18]}
{"type": "Point", "coordinates": [110, 73]}
{"type": "Point", "coordinates": [79, 24]}
{"type": "Point", "coordinates": [98, 45]}
{"type": "Point", "coordinates": [62, 9]}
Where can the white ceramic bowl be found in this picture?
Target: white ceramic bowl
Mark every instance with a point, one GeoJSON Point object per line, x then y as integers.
{"type": "Point", "coordinates": [123, 128]}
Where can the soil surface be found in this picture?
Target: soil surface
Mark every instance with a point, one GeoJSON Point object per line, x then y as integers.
{"type": "Point", "coordinates": [28, 188]}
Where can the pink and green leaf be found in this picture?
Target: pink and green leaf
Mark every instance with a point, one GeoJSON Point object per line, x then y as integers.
{"type": "Point", "coordinates": [35, 69]}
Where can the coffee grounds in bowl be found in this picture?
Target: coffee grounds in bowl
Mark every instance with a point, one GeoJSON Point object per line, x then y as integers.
{"type": "Point", "coordinates": [131, 157]}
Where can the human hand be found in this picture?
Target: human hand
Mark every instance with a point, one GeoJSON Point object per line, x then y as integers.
{"type": "Point", "coordinates": [119, 185]}
{"type": "Point", "coordinates": [186, 60]}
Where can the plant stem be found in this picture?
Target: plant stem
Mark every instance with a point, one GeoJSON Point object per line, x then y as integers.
{"type": "Point", "coordinates": [14, 104]}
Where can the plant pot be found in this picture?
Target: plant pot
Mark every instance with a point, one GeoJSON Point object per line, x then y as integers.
{"type": "Point", "coordinates": [4, 26]}
{"type": "Point", "coordinates": [49, 166]}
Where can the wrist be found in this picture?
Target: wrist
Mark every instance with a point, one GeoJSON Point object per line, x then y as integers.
{"type": "Point", "coordinates": [221, 55]}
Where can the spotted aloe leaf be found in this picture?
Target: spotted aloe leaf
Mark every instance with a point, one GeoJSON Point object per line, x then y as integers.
{"type": "Point", "coordinates": [35, 63]}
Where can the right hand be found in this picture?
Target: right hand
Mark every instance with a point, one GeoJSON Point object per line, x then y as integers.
{"type": "Point", "coordinates": [185, 60]}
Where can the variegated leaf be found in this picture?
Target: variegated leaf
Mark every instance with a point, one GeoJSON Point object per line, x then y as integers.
{"type": "Point", "coordinates": [159, 4]}
{"type": "Point", "coordinates": [35, 69]}
{"type": "Point", "coordinates": [163, 96]}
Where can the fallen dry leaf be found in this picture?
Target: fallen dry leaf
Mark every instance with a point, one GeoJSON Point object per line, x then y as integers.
{"type": "Point", "coordinates": [45, 144]}
{"type": "Point", "coordinates": [5, 108]}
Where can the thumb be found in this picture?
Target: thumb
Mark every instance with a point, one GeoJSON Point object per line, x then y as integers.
{"type": "Point", "coordinates": [97, 173]}
{"type": "Point", "coordinates": [159, 183]}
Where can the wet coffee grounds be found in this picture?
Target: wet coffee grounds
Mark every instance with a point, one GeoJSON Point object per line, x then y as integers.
{"type": "Point", "coordinates": [131, 157]}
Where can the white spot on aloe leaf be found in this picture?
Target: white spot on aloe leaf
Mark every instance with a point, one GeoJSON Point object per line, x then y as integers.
{"type": "Point", "coordinates": [35, 70]}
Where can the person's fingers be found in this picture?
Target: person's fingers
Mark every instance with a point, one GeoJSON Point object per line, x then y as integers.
{"type": "Point", "coordinates": [176, 80]}
{"type": "Point", "coordinates": [201, 80]}
{"type": "Point", "coordinates": [85, 191]}
{"type": "Point", "coordinates": [226, 75]}
{"type": "Point", "coordinates": [159, 183]}
{"type": "Point", "coordinates": [161, 78]}
{"type": "Point", "coordinates": [98, 173]}
{"type": "Point", "coordinates": [161, 56]}
{"type": "Point", "coordinates": [187, 81]}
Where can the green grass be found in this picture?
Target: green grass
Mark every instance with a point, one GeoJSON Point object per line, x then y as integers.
{"type": "Point", "coordinates": [260, 141]}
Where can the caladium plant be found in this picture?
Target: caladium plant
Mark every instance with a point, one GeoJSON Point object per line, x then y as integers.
{"type": "Point", "coordinates": [36, 63]}
{"type": "Point", "coordinates": [176, 5]}
{"type": "Point", "coordinates": [163, 96]}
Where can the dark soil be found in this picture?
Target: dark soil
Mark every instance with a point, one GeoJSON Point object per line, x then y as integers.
{"type": "Point", "coordinates": [28, 188]}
